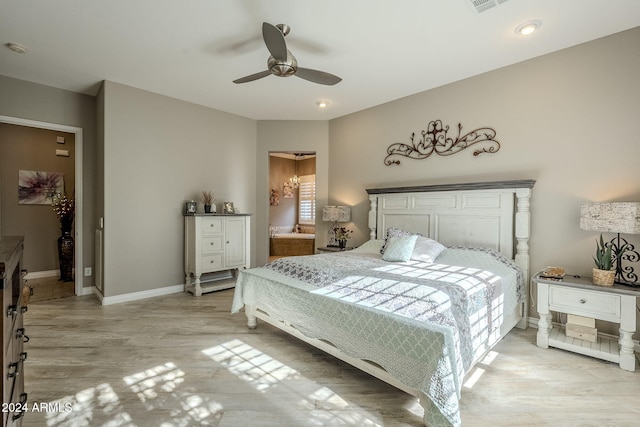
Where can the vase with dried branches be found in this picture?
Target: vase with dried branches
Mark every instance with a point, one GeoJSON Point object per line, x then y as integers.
{"type": "Point", "coordinates": [64, 207]}
{"type": "Point", "coordinates": [207, 201]}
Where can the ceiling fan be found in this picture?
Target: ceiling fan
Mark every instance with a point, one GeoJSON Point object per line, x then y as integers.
{"type": "Point", "coordinates": [282, 63]}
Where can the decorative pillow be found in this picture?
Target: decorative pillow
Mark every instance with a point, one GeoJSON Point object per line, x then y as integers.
{"type": "Point", "coordinates": [400, 248]}
{"type": "Point", "coordinates": [395, 232]}
{"type": "Point", "coordinates": [427, 250]}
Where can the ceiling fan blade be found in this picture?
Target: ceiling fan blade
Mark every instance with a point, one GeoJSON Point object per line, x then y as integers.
{"type": "Point", "coordinates": [274, 39]}
{"type": "Point", "coordinates": [316, 76]}
{"type": "Point", "coordinates": [253, 77]}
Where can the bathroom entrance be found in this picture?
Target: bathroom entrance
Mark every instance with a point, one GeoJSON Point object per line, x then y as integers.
{"type": "Point", "coordinates": [292, 204]}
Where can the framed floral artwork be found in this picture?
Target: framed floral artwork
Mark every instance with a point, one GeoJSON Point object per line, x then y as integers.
{"type": "Point", "coordinates": [38, 187]}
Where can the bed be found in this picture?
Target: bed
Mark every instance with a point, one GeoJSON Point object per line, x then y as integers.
{"type": "Point", "coordinates": [417, 319]}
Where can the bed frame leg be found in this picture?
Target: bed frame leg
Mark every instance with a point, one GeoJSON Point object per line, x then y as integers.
{"type": "Point", "coordinates": [252, 320]}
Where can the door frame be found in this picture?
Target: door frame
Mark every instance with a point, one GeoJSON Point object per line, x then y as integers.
{"type": "Point", "coordinates": [78, 264]}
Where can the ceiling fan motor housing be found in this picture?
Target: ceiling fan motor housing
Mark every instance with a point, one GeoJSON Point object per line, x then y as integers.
{"type": "Point", "coordinates": [283, 68]}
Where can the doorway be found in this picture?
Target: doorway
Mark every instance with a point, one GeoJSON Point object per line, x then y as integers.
{"type": "Point", "coordinates": [78, 167]}
{"type": "Point", "coordinates": [292, 203]}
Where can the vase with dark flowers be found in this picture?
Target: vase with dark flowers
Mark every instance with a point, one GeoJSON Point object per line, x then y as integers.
{"type": "Point", "coordinates": [342, 234]}
{"type": "Point", "coordinates": [64, 207]}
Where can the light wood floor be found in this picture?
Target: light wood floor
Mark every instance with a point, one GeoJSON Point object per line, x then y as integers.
{"type": "Point", "coordinates": [178, 360]}
{"type": "Point", "coordinates": [47, 288]}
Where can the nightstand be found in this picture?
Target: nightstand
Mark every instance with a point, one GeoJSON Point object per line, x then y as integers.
{"type": "Point", "coordinates": [334, 249]}
{"type": "Point", "coordinates": [579, 296]}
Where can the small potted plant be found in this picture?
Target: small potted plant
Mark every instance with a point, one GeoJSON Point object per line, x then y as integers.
{"type": "Point", "coordinates": [207, 201]}
{"type": "Point", "coordinates": [342, 234]}
{"type": "Point", "coordinates": [603, 272]}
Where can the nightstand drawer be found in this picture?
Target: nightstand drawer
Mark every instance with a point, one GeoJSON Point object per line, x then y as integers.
{"type": "Point", "coordinates": [585, 303]}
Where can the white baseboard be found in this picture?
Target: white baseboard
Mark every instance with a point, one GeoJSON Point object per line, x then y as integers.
{"type": "Point", "coordinates": [134, 296]}
{"type": "Point", "coordinates": [41, 274]}
{"type": "Point", "coordinates": [89, 290]}
{"type": "Point", "coordinates": [533, 322]}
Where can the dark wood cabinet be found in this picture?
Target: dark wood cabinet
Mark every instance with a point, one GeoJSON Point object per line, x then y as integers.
{"type": "Point", "coordinates": [13, 356]}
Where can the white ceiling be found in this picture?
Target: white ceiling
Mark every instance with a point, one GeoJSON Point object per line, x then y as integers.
{"type": "Point", "coordinates": [193, 49]}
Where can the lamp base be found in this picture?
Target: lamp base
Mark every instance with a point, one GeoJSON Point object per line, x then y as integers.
{"type": "Point", "coordinates": [624, 251]}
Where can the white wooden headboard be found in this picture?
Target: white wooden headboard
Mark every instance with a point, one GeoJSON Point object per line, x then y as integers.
{"type": "Point", "coordinates": [494, 215]}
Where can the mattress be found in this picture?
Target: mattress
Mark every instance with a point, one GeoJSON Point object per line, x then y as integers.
{"type": "Point", "coordinates": [425, 324]}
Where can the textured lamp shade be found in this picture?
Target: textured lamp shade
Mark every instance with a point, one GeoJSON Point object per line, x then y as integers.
{"type": "Point", "coordinates": [615, 217]}
{"type": "Point", "coordinates": [336, 213]}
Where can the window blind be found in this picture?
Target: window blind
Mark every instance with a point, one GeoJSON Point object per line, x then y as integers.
{"type": "Point", "coordinates": [307, 200]}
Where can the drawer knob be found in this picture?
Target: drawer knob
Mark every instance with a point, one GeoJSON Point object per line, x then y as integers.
{"type": "Point", "coordinates": [20, 334]}
{"type": "Point", "coordinates": [12, 310]}
{"type": "Point", "coordinates": [582, 300]}
{"type": "Point", "coordinates": [14, 370]}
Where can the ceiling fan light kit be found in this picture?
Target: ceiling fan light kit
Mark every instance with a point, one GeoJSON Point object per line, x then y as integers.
{"type": "Point", "coordinates": [282, 63]}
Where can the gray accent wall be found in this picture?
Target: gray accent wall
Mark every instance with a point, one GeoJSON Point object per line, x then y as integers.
{"type": "Point", "coordinates": [159, 152]}
{"type": "Point", "coordinates": [569, 120]}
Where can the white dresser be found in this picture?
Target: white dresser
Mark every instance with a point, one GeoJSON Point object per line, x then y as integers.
{"type": "Point", "coordinates": [579, 296]}
{"type": "Point", "coordinates": [214, 243]}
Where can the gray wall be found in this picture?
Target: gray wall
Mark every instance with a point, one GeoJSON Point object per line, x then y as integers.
{"type": "Point", "coordinates": [27, 148]}
{"type": "Point", "coordinates": [158, 153]}
{"type": "Point", "coordinates": [568, 120]}
{"type": "Point", "coordinates": [32, 101]}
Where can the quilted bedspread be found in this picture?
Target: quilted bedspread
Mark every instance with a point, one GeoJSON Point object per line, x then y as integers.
{"type": "Point", "coordinates": [425, 324]}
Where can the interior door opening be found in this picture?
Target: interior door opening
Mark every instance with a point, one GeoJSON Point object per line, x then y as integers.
{"type": "Point", "coordinates": [292, 203]}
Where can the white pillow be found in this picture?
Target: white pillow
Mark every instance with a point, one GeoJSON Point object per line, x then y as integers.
{"type": "Point", "coordinates": [399, 248]}
{"type": "Point", "coordinates": [427, 250]}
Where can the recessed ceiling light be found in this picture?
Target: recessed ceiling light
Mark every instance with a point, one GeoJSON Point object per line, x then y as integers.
{"type": "Point", "coordinates": [16, 47]}
{"type": "Point", "coordinates": [528, 27]}
{"type": "Point", "coordinates": [322, 104]}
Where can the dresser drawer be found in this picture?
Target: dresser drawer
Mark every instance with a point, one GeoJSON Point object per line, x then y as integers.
{"type": "Point", "coordinates": [212, 244]}
{"type": "Point", "coordinates": [600, 305]}
{"type": "Point", "coordinates": [211, 262]}
{"type": "Point", "coordinates": [212, 225]}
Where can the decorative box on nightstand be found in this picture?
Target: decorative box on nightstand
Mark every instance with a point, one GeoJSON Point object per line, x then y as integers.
{"type": "Point", "coordinates": [579, 296]}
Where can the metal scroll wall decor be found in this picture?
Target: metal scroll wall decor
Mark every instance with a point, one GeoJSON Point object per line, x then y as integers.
{"type": "Point", "coordinates": [436, 140]}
